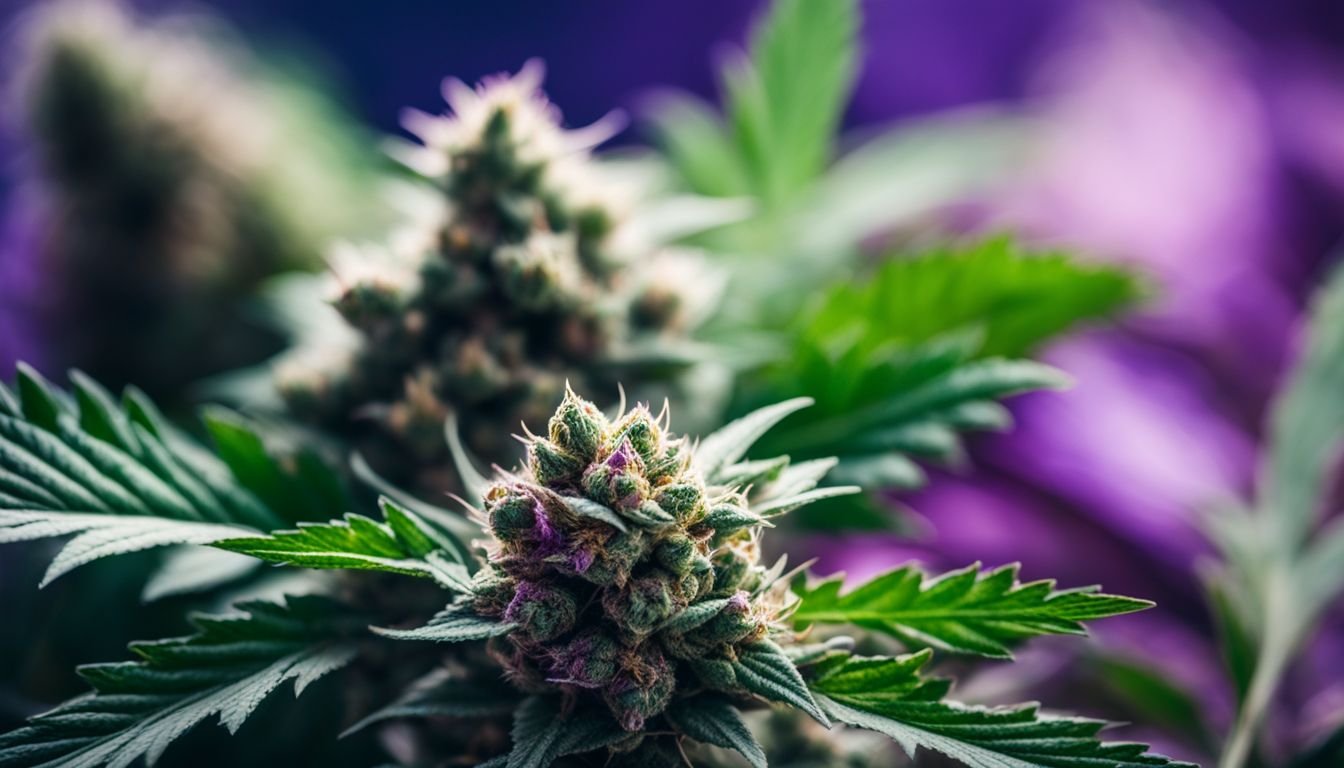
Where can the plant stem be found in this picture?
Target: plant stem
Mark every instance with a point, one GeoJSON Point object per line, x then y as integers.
{"type": "Point", "coordinates": [1280, 633]}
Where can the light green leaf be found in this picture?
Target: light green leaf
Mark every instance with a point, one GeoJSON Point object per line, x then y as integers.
{"type": "Point", "coordinates": [904, 362]}
{"type": "Point", "coordinates": [713, 720]}
{"type": "Point", "coordinates": [1019, 298]}
{"type": "Point", "coordinates": [964, 611]}
{"type": "Point", "coordinates": [225, 670]}
{"type": "Point", "coordinates": [786, 104]}
{"type": "Point", "coordinates": [404, 544]}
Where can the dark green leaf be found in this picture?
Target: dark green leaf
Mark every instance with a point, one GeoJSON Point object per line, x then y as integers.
{"type": "Point", "coordinates": [714, 720]}
{"type": "Point", "coordinates": [225, 670]}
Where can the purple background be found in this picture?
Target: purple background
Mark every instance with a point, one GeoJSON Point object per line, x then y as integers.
{"type": "Point", "coordinates": [1200, 143]}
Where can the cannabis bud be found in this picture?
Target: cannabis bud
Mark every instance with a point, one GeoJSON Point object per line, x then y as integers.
{"type": "Point", "coordinates": [528, 270]}
{"type": "Point", "coordinates": [626, 574]}
{"type": "Point", "coordinates": [173, 176]}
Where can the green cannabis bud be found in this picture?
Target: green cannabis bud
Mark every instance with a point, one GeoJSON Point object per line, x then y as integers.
{"type": "Point", "coordinates": [624, 574]}
{"type": "Point", "coordinates": [529, 270]}
{"type": "Point", "coordinates": [173, 175]}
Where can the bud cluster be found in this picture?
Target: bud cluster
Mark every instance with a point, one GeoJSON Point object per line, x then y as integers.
{"type": "Point", "coordinates": [627, 577]}
{"type": "Point", "coordinates": [528, 272]}
{"type": "Point", "coordinates": [172, 180]}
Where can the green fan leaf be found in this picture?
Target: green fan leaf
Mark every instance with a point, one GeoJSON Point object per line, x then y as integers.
{"type": "Point", "coordinates": [783, 104]}
{"type": "Point", "coordinates": [457, 623]}
{"type": "Point", "coordinates": [405, 544]}
{"type": "Point", "coordinates": [905, 362]}
{"type": "Point", "coordinates": [964, 611]}
{"type": "Point", "coordinates": [225, 670]}
{"type": "Point", "coordinates": [124, 481]}
{"type": "Point", "coordinates": [99, 536]}
{"type": "Point", "coordinates": [1019, 298]}
{"type": "Point", "coordinates": [1004, 737]}
{"type": "Point", "coordinates": [714, 720]}
{"type": "Point", "coordinates": [445, 694]}
{"type": "Point", "coordinates": [889, 695]}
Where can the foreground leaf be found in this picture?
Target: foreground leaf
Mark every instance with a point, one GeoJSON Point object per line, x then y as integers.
{"type": "Point", "coordinates": [964, 611]}
{"type": "Point", "coordinates": [105, 535]}
{"type": "Point", "coordinates": [888, 695]}
{"type": "Point", "coordinates": [1006, 737]}
{"type": "Point", "coordinates": [225, 670]}
{"type": "Point", "coordinates": [405, 544]}
{"type": "Point", "coordinates": [124, 480]}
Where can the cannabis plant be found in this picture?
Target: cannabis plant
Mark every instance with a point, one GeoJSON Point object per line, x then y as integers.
{"type": "Point", "coordinates": [1282, 568]}
{"type": "Point", "coordinates": [602, 604]}
{"type": "Point", "coordinates": [846, 264]}
{"type": "Point", "coordinates": [528, 270]}
{"type": "Point", "coordinates": [172, 175]}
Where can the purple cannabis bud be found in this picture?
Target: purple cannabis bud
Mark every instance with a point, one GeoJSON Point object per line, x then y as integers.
{"type": "Point", "coordinates": [622, 578]}
{"type": "Point", "coordinates": [543, 611]}
{"type": "Point", "coordinates": [642, 689]}
{"type": "Point", "coordinates": [529, 272]}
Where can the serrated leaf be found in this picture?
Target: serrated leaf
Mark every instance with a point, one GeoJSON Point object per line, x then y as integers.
{"type": "Point", "coordinates": [765, 670]}
{"type": "Point", "coordinates": [124, 480]}
{"type": "Point", "coordinates": [457, 623]}
{"type": "Point", "coordinates": [1018, 297]}
{"type": "Point", "coordinates": [225, 670]}
{"type": "Point", "coordinates": [38, 402]}
{"type": "Point", "coordinates": [889, 695]}
{"type": "Point", "coordinates": [404, 545]}
{"type": "Point", "coordinates": [964, 611]}
{"type": "Point", "coordinates": [902, 364]}
{"type": "Point", "coordinates": [101, 536]}
{"type": "Point", "coordinates": [454, 525]}
{"type": "Point", "coordinates": [713, 720]}
{"type": "Point", "coordinates": [1004, 737]}
{"type": "Point", "coordinates": [445, 694]}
